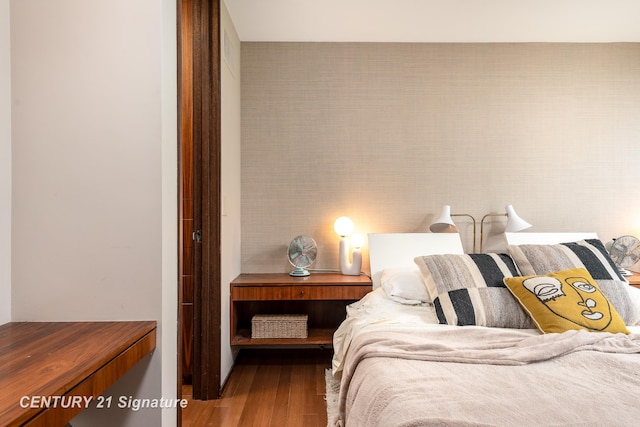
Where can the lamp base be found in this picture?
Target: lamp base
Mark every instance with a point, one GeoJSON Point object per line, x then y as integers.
{"type": "Point", "coordinates": [349, 268]}
{"type": "Point", "coordinates": [348, 273]}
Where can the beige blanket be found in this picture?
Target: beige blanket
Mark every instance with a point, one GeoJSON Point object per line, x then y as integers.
{"type": "Point", "coordinates": [485, 376]}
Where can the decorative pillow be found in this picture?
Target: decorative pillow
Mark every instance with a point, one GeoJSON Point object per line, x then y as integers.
{"type": "Point", "coordinates": [589, 254]}
{"type": "Point", "coordinates": [404, 285]}
{"type": "Point", "coordinates": [566, 300]}
{"type": "Point", "coordinates": [469, 290]}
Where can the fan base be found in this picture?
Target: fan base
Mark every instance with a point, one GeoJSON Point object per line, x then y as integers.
{"type": "Point", "coordinates": [299, 272]}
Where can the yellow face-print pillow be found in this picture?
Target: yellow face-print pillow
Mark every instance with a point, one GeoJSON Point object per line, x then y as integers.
{"type": "Point", "coordinates": [564, 300]}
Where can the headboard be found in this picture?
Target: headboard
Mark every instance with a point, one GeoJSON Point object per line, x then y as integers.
{"type": "Point", "coordinates": [546, 238]}
{"type": "Point", "coordinates": [397, 250]}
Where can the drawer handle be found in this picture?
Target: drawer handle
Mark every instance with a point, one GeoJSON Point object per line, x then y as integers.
{"type": "Point", "coordinates": [301, 293]}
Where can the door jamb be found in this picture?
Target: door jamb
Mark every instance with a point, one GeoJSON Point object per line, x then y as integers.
{"type": "Point", "coordinates": [206, 200]}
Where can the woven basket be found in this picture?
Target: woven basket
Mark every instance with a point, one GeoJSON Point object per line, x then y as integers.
{"type": "Point", "coordinates": [279, 326]}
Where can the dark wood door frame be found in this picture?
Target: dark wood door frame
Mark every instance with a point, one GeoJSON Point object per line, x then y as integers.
{"type": "Point", "coordinates": [207, 144]}
{"type": "Point", "coordinates": [205, 32]}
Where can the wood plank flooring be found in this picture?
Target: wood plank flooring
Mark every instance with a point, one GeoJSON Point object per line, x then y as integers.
{"type": "Point", "coordinates": [267, 388]}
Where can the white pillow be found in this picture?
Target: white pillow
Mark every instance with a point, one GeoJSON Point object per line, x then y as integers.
{"type": "Point", "coordinates": [404, 285]}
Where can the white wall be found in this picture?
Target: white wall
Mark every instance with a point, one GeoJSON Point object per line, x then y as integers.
{"type": "Point", "coordinates": [169, 338]}
{"type": "Point", "coordinates": [94, 176]}
{"type": "Point", "coordinates": [5, 165]}
{"type": "Point", "coordinates": [387, 133]}
{"type": "Point", "coordinates": [230, 78]}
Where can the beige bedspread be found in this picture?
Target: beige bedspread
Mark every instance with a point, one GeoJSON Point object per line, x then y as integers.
{"type": "Point", "coordinates": [472, 376]}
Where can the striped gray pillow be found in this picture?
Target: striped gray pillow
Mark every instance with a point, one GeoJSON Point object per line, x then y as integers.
{"type": "Point", "coordinates": [589, 254]}
{"type": "Point", "coordinates": [469, 290]}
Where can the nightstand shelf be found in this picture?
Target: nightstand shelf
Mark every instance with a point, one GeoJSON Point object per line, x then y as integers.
{"type": "Point", "coordinates": [322, 296]}
{"type": "Point", "coordinates": [315, 337]}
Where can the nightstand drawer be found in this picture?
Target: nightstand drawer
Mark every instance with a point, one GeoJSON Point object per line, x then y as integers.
{"type": "Point", "coordinates": [250, 293]}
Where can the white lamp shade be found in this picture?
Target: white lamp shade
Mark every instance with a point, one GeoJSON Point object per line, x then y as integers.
{"type": "Point", "coordinates": [514, 222]}
{"type": "Point", "coordinates": [444, 223]}
{"type": "Point", "coordinates": [343, 226]}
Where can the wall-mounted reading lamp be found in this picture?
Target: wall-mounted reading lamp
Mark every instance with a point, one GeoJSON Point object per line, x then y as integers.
{"type": "Point", "coordinates": [514, 222]}
{"type": "Point", "coordinates": [444, 223]}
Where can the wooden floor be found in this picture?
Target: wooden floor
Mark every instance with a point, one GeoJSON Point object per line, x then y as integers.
{"type": "Point", "coordinates": [267, 388]}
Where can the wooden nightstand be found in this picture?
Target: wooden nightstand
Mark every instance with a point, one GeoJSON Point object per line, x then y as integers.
{"type": "Point", "coordinates": [634, 280]}
{"type": "Point", "coordinates": [322, 296]}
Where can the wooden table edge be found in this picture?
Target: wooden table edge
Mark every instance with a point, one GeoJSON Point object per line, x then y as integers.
{"type": "Point", "coordinates": [104, 372]}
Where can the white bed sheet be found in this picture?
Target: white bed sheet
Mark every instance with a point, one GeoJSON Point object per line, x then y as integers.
{"type": "Point", "coordinates": [376, 312]}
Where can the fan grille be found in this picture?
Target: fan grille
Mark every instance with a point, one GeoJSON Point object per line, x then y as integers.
{"type": "Point", "coordinates": [302, 253]}
{"type": "Point", "coordinates": [625, 251]}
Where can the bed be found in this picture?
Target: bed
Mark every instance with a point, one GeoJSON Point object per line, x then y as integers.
{"type": "Point", "coordinates": [470, 352]}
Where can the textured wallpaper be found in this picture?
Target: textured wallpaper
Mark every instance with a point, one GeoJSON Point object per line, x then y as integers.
{"type": "Point", "coordinates": [388, 133]}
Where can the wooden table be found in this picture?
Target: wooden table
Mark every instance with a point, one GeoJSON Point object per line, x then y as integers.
{"type": "Point", "coordinates": [64, 362]}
